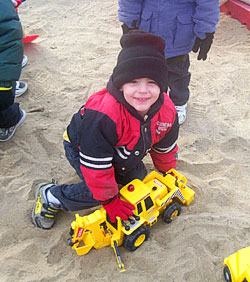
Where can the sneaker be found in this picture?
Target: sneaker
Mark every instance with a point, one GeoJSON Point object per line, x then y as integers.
{"type": "Point", "coordinates": [24, 61]}
{"type": "Point", "coordinates": [182, 113]}
{"type": "Point", "coordinates": [7, 133]}
{"type": "Point", "coordinates": [43, 212]}
{"type": "Point", "coordinates": [21, 88]}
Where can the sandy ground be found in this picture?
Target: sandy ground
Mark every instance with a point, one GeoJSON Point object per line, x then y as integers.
{"type": "Point", "coordinates": [74, 56]}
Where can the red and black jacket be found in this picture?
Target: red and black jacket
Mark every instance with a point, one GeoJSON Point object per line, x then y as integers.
{"type": "Point", "coordinates": [112, 136]}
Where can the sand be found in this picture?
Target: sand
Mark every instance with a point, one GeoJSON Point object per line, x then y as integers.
{"type": "Point", "coordinates": [73, 57]}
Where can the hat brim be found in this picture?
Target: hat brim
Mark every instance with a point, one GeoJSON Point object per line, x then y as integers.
{"type": "Point", "coordinates": [141, 67]}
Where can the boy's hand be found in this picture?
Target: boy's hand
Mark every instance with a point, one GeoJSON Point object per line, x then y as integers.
{"type": "Point", "coordinates": [120, 208]}
{"type": "Point", "coordinates": [203, 46]}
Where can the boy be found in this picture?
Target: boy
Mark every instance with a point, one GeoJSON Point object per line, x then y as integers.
{"type": "Point", "coordinates": [109, 136]}
{"type": "Point", "coordinates": [185, 25]}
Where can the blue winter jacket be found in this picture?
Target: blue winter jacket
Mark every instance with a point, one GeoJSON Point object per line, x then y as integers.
{"type": "Point", "coordinates": [178, 22]}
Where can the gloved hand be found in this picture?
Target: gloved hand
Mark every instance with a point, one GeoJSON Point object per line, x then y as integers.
{"type": "Point", "coordinates": [203, 46]}
{"type": "Point", "coordinates": [117, 207]}
{"type": "Point", "coordinates": [126, 29]}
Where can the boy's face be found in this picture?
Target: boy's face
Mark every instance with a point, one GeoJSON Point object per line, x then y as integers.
{"type": "Point", "coordinates": [141, 94]}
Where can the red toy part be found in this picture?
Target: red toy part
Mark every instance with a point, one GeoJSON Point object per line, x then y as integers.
{"type": "Point", "coordinates": [16, 3]}
{"type": "Point", "coordinates": [238, 10]}
{"type": "Point", "coordinates": [29, 38]}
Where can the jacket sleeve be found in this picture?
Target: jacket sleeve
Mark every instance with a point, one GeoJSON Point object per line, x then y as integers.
{"type": "Point", "coordinates": [97, 138]}
{"type": "Point", "coordinates": [130, 11]}
{"type": "Point", "coordinates": [206, 17]}
{"type": "Point", "coordinates": [164, 153]}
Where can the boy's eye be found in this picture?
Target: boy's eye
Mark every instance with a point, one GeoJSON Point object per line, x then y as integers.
{"type": "Point", "coordinates": [152, 82]}
{"type": "Point", "coordinates": [134, 81]}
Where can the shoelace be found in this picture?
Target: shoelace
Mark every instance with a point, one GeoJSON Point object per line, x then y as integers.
{"type": "Point", "coordinates": [17, 84]}
{"type": "Point", "coordinates": [4, 131]}
{"type": "Point", "coordinates": [181, 109]}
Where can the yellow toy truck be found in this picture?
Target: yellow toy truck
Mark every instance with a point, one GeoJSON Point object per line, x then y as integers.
{"type": "Point", "coordinates": [237, 266]}
{"type": "Point", "coordinates": [155, 195]}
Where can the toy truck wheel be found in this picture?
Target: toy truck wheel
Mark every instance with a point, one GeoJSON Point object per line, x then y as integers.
{"type": "Point", "coordinates": [227, 274]}
{"type": "Point", "coordinates": [135, 240]}
{"type": "Point", "coordinates": [170, 212]}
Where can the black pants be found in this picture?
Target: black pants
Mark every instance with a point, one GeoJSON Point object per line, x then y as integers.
{"type": "Point", "coordinates": [178, 79]}
{"type": "Point", "coordinates": [77, 196]}
{"type": "Point", "coordinates": [9, 110]}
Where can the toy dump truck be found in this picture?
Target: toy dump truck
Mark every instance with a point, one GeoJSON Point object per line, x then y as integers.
{"type": "Point", "coordinates": [155, 195]}
{"type": "Point", "coordinates": [237, 266]}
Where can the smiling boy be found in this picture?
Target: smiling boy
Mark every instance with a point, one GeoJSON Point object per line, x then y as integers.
{"type": "Point", "coordinates": [109, 136]}
{"type": "Point", "coordinates": [141, 94]}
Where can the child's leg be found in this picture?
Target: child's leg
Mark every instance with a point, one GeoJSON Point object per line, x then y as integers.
{"type": "Point", "coordinates": [178, 79]}
{"type": "Point", "coordinates": [51, 198]}
{"type": "Point", "coordinates": [72, 154]}
{"type": "Point", "coordinates": [138, 172]}
{"type": "Point", "coordinates": [74, 197]}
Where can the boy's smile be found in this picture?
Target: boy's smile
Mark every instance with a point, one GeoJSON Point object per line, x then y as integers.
{"type": "Point", "coordinates": [141, 94]}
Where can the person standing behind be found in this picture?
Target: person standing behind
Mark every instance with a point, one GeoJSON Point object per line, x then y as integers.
{"type": "Point", "coordinates": [185, 25]}
{"type": "Point", "coordinates": [11, 56]}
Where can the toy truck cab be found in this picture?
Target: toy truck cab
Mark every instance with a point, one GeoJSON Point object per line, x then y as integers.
{"type": "Point", "coordinates": [155, 193]}
{"type": "Point", "coordinates": [237, 266]}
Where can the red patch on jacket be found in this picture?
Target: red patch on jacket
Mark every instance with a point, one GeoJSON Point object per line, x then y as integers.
{"type": "Point", "coordinates": [82, 111]}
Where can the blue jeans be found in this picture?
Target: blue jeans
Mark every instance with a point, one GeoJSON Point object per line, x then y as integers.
{"type": "Point", "coordinates": [77, 196]}
{"type": "Point", "coordinates": [178, 79]}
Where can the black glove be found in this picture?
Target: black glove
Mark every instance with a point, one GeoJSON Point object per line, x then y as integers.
{"type": "Point", "coordinates": [126, 29]}
{"type": "Point", "coordinates": [203, 46]}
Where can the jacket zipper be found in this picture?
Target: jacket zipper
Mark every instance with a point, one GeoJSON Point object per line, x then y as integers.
{"type": "Point", "coordinates": [143, 133]}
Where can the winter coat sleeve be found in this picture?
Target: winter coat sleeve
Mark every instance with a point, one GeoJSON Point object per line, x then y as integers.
{"type": "Point", "coordinates": [206, 17]}
{"type": "Point", "coordinates": [98, 136]}
{"type": "Point", "coordinates": [129, 11]}
{"type": "Point", "coordinates": [164, 153]}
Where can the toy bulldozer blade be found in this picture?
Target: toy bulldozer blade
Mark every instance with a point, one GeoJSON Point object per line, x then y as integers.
{"type": "Point", "coordinates": [118, 257]}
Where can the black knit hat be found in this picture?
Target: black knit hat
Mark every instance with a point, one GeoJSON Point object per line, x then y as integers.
{"type": "Point", "coordinates": [142, 56]}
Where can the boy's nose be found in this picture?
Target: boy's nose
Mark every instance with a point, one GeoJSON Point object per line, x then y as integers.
{"type": "Point", "coordinates": [142, 87]}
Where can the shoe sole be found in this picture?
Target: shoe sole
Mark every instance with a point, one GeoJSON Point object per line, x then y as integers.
{"type": "Point", "coordinates": [16, 126]}
{"type": "Point", "coordinates": [180, 123]}
{"type": "Point", "coordinates": [33, 219]}
{"type": "Point", "coordinates": [23, 91]}
{"type": "Point", "coordinates": [37, 190]}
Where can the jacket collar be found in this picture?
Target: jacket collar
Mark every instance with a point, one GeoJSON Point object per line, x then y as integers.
{"type": "Point", "coordinates": [118, 95]}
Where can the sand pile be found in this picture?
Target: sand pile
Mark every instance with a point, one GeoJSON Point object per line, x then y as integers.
{"type": "Point", "coordinates": [73, 57]}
